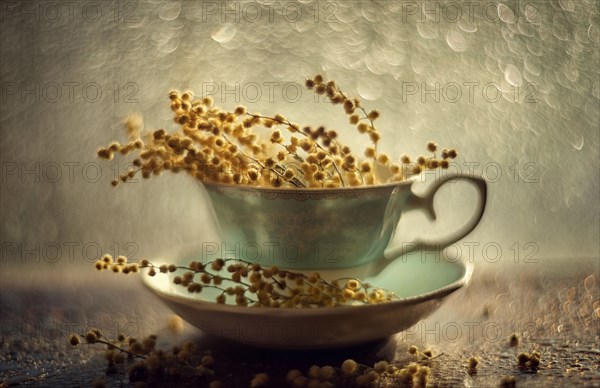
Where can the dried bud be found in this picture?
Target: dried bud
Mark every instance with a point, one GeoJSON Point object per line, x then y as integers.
{"type": "Point", "coordinates": [373, 115]}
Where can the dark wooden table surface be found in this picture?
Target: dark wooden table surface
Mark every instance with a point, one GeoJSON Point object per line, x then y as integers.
{"type": "Point", "coordinates": [553, 307]}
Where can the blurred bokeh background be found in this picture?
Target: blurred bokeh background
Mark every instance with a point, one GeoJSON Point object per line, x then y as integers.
{"type": "Point", "coordinates": [513, 85]}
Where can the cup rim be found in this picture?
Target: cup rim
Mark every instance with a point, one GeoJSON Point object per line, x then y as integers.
{"type": "Point", "coordinates": [311, 190]}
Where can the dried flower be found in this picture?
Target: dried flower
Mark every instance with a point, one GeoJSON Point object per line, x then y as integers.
{"type": "Point", "coordinates": [264, 287]}
{"type": "Point", "coordinates": [349, 367]}
{"type": "Point", "coordinates": [513, 341]}
{"type": "Point", "coordinates": [74, 340]}
{"type": "Point", "coordinates": [431, 146]}
{"type": "Point", "coordinates": [175, 324]}
{"type": "Point", "coordinates": [212, 141]}
{"type": "Point", "coordinates": [373, 115]}
{"type": "Point", "coordinates": [91, 337]}
{"type": "Point", "coordinates": [473, 362]}
{"type": "Point", "coordinates": [259, 380]}
{"type": "Point", "coordinates": [508, 382]}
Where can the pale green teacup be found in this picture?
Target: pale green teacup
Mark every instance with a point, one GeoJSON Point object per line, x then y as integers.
{"type": "Point", "coordinates": [322, 229]}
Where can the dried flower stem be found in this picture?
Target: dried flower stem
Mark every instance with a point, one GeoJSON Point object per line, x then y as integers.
{"type": "Point", "coordinates": [258, 286]}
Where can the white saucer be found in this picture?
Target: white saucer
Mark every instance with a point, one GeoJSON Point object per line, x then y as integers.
{"type": "Point", "coordinates": [421, 285]}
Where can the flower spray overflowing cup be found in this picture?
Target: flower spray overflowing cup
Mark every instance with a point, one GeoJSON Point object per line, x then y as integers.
{"type": "Point", "coordinates": [327, 229]}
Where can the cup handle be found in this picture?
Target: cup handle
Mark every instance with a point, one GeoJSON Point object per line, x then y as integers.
{"type": "Point", "coordinates": [425, 203]}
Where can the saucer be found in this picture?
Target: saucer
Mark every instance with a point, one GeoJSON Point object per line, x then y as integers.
{"type": "Point", "coordinates": [421, 283]}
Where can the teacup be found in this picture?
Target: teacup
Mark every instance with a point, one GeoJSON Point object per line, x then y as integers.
{"type": "Point", "coordinates": [323, 229]}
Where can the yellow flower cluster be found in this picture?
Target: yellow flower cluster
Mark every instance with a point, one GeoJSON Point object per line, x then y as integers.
{"type": "Point", "coordinates": [250, 284]}
{"type": "Point", "coordinates": [529, 360]}
{"type": "Point", "coordinates": [118, 265]}
{"type": "Point", "coordinates": [153, 365]}
{"type": "Point", "coordinates": [151, 362]}
{"type": "Point", "coordinates": [351, 373]}
{"type": "Point", "coordinates": [188, 360]}
{"type": "Point", "coordinates": [219, 146]}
